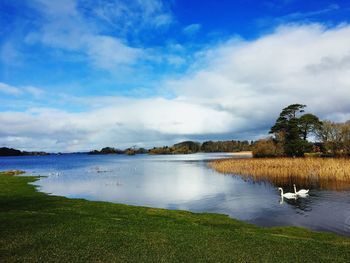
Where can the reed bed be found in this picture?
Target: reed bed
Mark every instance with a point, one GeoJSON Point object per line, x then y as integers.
{"type": "Point", "coordinates": [323, 173]}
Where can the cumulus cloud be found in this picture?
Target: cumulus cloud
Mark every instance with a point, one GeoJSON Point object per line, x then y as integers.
{"type": "Point", "coordinates": [125, 123]}
{"type": "Point", "coordinates": [253, 80]}
{"type": "Point", "coordinates": [236, 88]}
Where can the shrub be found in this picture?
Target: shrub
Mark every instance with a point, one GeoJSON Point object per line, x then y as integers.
{"type": "Point", "coordinates": [267, 148]}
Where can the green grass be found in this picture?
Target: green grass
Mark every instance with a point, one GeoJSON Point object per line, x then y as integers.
{"type": "Point", "coordinates": [35, 227]}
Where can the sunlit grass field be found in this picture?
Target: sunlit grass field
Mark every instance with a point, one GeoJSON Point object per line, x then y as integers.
{"type": "Point", "coordinates": [35, 227]}
{"type": "Point", "coordinates": [326, 173]}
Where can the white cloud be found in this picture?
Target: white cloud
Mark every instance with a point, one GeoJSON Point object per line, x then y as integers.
{"type": "Point", "coordinates": [299, 16]}
{"type": "Point", "coordinates": [9, 54]}
{"type": "Point", "coordinates": [123, 123]}
{"type": "Point", "coordinates": [5, 88]}
{"type": "Point", "coordinates": [266, 22]}
{"type": "Point", "coordinates": [12, 90]}
{"type": "Point", "coordinates": [192, 29]}
{"type": "Point", "coordinates": [67, 27]}
{"type": "Point", "coordinates": [253, 80]}
{"type": "Point", "coordinates": [57, 8]}
{"type": "Point", "coordinates": [132, 16]}
{"type": "Point", "coordinates": [34, 91]}
{"type": "Point", "coordinates": [108, 52]}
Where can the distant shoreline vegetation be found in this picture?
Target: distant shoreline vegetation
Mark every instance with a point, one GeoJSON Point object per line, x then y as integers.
{"type": "Point", "coordinates": [186, 147]}
{"type": "Point", "coordinates": [111, 150]}
{"type": "Point", "coordinates": [4, 151]}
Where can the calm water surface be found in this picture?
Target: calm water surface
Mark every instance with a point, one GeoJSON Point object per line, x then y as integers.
{"type": "Point", "coordinates": [182, 182]}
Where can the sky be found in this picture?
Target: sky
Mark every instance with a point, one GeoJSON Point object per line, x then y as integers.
{"type": "Point", "coordinates": [77, 75]}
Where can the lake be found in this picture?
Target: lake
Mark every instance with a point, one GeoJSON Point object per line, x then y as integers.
{"type": "Point", "coordinates": [182, 182]}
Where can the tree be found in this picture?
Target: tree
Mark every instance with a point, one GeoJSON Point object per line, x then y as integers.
{"type": "Point", "coordinates": [291, 131]}
{"type": "Point", "coordinates": [4, 151]}
{"type": "Point", "coordinates": [226, 146]}
{"type": "Point", "coordinates": [346, 137]}
{"type": "Point", "coordinates": [309, 123]}
{"type": "Point", "coordinates": [285, 116]}
{"type": "Point", "coordinates": [188, 146]}
{"type": "Point", "coordinates": [335, 137]}
{"type": "Point", "coordinates": [292, 110]}
{"type": "Point", "coordinates": [293, 144]}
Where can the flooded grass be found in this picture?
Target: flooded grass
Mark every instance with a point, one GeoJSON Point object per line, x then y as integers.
{"type": "Point", "coordinates": [35, 227]}
{"type": "Point", "coordinates": [324, 173]}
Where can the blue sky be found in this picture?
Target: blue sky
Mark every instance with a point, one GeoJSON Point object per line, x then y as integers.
{"type": "Point", "coordinates": [120, 73]}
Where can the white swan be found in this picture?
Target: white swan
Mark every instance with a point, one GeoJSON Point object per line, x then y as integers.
{"type": "Point", "coordinates": [301, 191]}
{"type": "Point", "coordinates": [287, 195]}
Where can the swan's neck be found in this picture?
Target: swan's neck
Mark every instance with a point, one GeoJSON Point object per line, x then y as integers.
{"type": "Point", "coordinates": [295, 189]}
{"type": "Point", "coordinates": [282, 192]}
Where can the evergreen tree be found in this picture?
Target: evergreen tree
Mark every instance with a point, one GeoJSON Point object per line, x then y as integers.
{"type": "Point", "coordinates": [291, 131]}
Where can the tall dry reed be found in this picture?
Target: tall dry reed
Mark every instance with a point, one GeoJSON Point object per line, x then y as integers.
{"type": "Point", "coordinates": [307, 172]}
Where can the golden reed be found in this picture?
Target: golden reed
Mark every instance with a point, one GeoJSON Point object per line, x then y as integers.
{"type": "Point", "coordinates": [324, 173]}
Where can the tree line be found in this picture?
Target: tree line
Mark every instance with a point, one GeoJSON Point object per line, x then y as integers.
{"type": "Point", "coordinates": [5, 151]}
{"type": "Point", "coordinates": [296, 133]}
{"type": "Point", "coordinates": [186, 147]}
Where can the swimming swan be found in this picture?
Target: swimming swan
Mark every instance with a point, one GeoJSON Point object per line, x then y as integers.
{"type": "Point", "coordinates": [287, 195]}
{"type": "Point", "coordinates": [301, 191]}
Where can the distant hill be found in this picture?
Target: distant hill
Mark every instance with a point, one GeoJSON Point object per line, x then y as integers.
{"type": "Point", "coordinates": [111, 150]}
{"type": "Point", "coordinates": [107, 150]}
{"type": "Point", "coordinates": [185, 147]}
{"type": "Point", "coordinates": [226, 146]}
{"type": "Point", "coordinates": [188, 147]}
{"type": "Point", "coordinates": [4, 151]}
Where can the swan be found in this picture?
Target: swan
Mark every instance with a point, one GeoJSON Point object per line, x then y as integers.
{"type": "Point", "coordinates": [287, 195]}
{"type": "Point", "coordinates": [301, 191]}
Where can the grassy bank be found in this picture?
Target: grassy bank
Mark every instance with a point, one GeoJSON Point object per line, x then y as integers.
{"type": "Point", "coordinates": [35, 227]}
{"type": "Point", "coordinates": [326, 173]}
